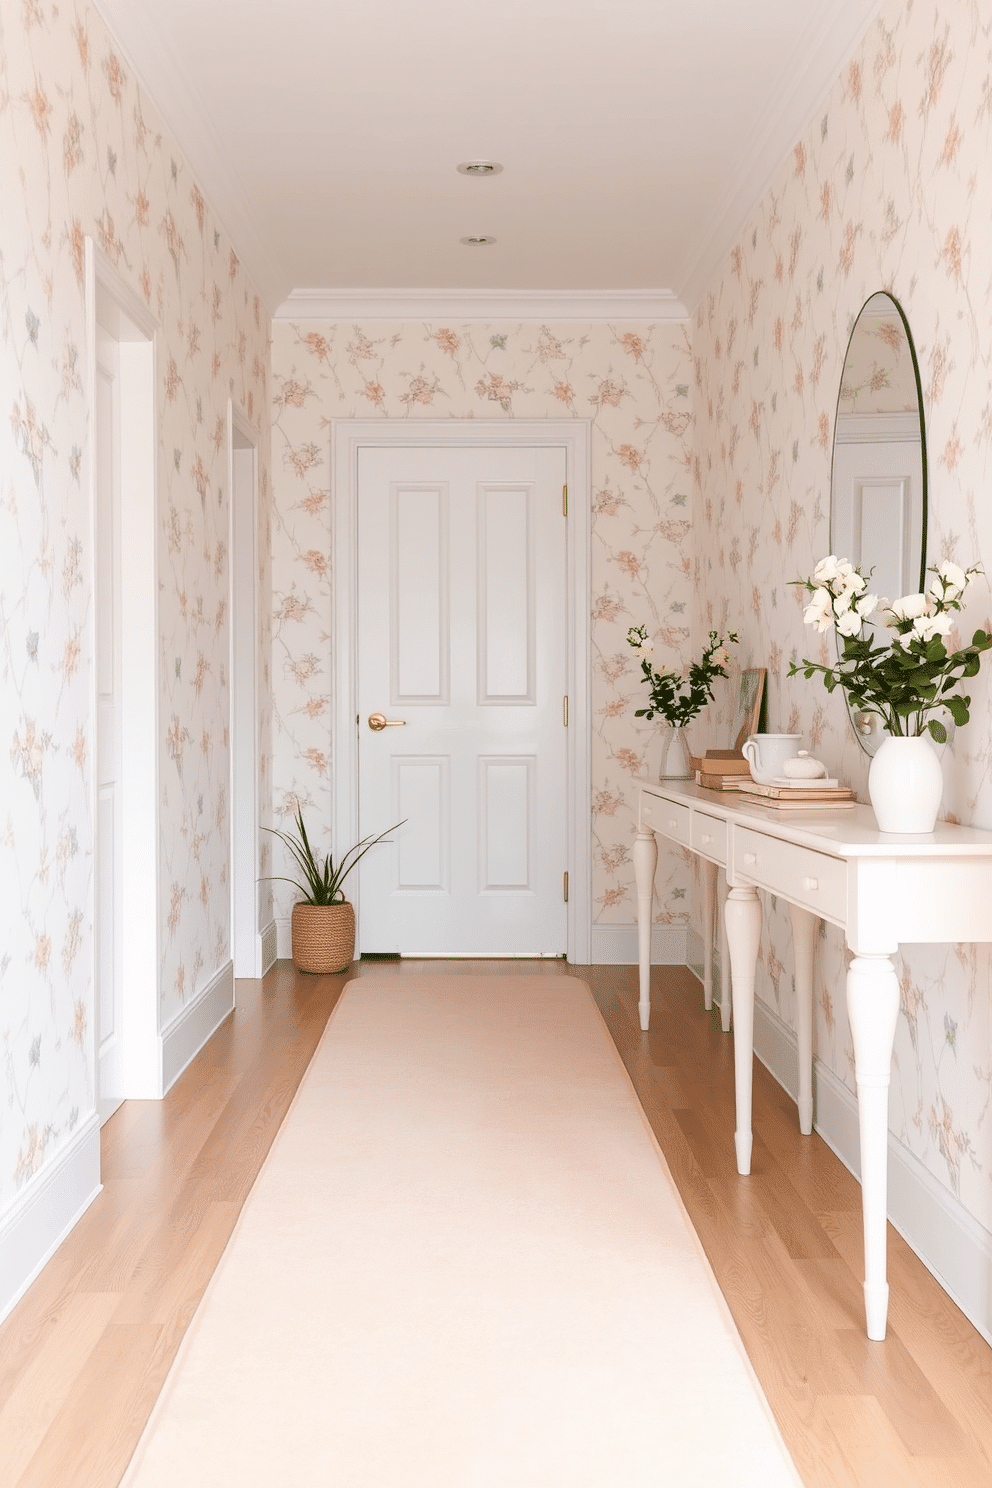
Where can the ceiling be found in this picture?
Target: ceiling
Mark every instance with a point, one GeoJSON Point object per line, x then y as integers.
{"type": "Point", "coordinates": [635, 135]}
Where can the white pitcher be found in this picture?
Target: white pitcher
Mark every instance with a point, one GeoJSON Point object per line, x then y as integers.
{"type": "Point", "coordinates": [766, 755]}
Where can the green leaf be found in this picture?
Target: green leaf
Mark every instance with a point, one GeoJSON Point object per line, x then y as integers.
{"type": "Point", "coordinates": [322, 883]}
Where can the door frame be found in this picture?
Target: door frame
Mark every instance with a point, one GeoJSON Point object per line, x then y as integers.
{"type": "Point", "coordinates": [136, 329]}
{"type": "Point", "coordinates": [243, 661]}
{"type": "Point", "coordinates": [348, 436]}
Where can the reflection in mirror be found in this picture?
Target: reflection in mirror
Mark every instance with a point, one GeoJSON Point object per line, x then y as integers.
{"type": "Point", "coordinates": [878, 486]}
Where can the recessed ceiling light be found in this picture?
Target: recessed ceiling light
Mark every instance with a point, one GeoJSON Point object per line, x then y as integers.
{"type": "Point", "coordinates": [480, 168]}
{"type": "Point", "coordinates": [476, 242]}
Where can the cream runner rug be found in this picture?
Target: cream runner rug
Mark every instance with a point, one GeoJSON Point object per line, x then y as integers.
{"type": "Point", "coordinates": [464, 1264]}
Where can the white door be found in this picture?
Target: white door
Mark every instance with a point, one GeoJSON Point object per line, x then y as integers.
{"type": "Point", "coordinates": [462, 647]}
{"type": "Point", "coordinates": [876, 517]}
{"type": "Point", "coordinates": [108, 752]}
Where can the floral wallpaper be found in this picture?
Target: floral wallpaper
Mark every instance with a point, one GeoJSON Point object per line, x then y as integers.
{"type": "Point", "coordinates": [889, 188]}
{"type": "Point", "coordinates": [634, 383]}
{"type": "Point", "coordinates": [83, 153]}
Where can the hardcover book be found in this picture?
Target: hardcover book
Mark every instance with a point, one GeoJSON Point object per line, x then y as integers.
{"type": "Point", "coordinates": [810, 792]}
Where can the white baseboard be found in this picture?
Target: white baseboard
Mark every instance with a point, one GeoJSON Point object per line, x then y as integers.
{"type": "Point", "coordinates": [46, 1209]}
{"type": "Point", "coordinates": [948, 1240]}
{"type": "Point", "coordinates": [284, 937]}
{"type": "Point", "coordinates": [190, 1029]}
{"type": "Point", "coordinates": [268, 946]}
{"type": "Point", "coordinates": [616, 945]}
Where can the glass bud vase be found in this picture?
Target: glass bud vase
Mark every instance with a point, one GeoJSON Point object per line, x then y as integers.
{"type": "Point", "coordinates": [675, 762]}
{"type": "Point", "coordinates": [905, 784]}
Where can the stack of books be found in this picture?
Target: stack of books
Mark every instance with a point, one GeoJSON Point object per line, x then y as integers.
{"type": "Point", "coordinates": [798, 795]}
{"type": "Point", "coordinates": [723, 770]}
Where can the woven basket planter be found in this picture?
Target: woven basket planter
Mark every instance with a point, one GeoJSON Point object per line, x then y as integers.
{"type": "Point", "coordinates": [323, 937]}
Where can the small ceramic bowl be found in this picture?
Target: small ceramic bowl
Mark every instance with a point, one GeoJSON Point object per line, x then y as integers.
{"type": "Point", "coordinates": [803, 767]}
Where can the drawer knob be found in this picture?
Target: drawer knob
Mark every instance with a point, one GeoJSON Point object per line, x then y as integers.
{"type": "Point", "coordinates": [750, 859]}
{"type": "Point", "coordinates": [811, 884]}
{"type": "Point", "coordinates": [672, 822]}
{"type": "Point", "coordinates": [706, 838]}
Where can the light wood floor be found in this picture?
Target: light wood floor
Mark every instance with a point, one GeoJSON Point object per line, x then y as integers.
{"type": "Point", "coordinates": [83, 1356]}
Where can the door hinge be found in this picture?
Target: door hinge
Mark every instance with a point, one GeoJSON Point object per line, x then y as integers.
{"type": "Point", "coordinates": [564, 710]}
{"type": "Point", "coordinates": [564, 885]}
{"type": "Point", "coordinates": [564, 501]}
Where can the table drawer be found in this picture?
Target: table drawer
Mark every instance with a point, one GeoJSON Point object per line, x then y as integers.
{"type": "Point", "coordinates": [811, 879]}
{"type": "Point", "coordinates": [709, 836]}
{"type": "Point", "coordinates": [666, 818]}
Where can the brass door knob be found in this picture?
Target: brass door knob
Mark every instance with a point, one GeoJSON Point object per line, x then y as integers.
{"type": "Point", "coordinates": [379, 721]}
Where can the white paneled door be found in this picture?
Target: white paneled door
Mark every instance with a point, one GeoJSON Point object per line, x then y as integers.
{"type": "Point", "coordinates": [462, 666]}
{"type": "Point", "coordinates": [877, 499]}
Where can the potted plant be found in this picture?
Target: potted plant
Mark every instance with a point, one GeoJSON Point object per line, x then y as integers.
{"type": "Point", "coordinates": [323, 924]}
{"type": "Point", "coordinates": [906, 680]}
{"type": "Point", "coordinates": [679, 697]}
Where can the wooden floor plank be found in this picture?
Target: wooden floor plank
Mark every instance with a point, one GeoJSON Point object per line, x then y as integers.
{"type": "Point", "coordinates": [177, 1266]}
{"type": "Point", "coordinates": [43, 1387]}
{"type": "Point", "coordinates": [904, 1394]}
{"type": "Point", "coordinates": [91, 1439]}
{"type": "Point", "coordinates": [797, 1226]}
{"type": "Point", "coordinates": [860, 1439]}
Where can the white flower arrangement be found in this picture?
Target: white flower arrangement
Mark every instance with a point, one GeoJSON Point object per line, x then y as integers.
{"type": "Point", "coordinates": [913, 675]}
{"type": "Point", "coordinates": [678, 698]}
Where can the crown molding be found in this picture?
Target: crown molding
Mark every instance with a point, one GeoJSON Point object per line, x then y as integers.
{"type": "Point", "coordinates": [585, 305]}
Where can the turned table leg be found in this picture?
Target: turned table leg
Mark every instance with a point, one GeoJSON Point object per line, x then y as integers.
{"type": "Point", "coordinates": [725, 997]}
{"type": "Point", "coordinates": [743, 917]}
{"type": "Point", "coordinates": [803, 938]}
{"type": "Point", "coordinates": [645, 863]}
{"type": "Point", "coordinates": [709, 897]}
{"type": "Point", "coordinates": [873, 1008]}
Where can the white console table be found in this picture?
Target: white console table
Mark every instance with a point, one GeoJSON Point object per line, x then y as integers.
{"type": "Point", "coordinates": [835, 865]}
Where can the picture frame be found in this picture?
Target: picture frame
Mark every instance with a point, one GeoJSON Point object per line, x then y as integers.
{"type": "Point", "coordinates": [747, 716]}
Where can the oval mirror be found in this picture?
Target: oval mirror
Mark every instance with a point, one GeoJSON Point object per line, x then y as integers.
{"type": "Point", "coordinates": [878, 482]}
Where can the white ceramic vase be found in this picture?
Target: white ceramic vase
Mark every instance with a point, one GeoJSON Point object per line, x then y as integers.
{"type": "Point", "coordinates": [905, 784]}
{"type": "Point", "coordinates": [675, 761]}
